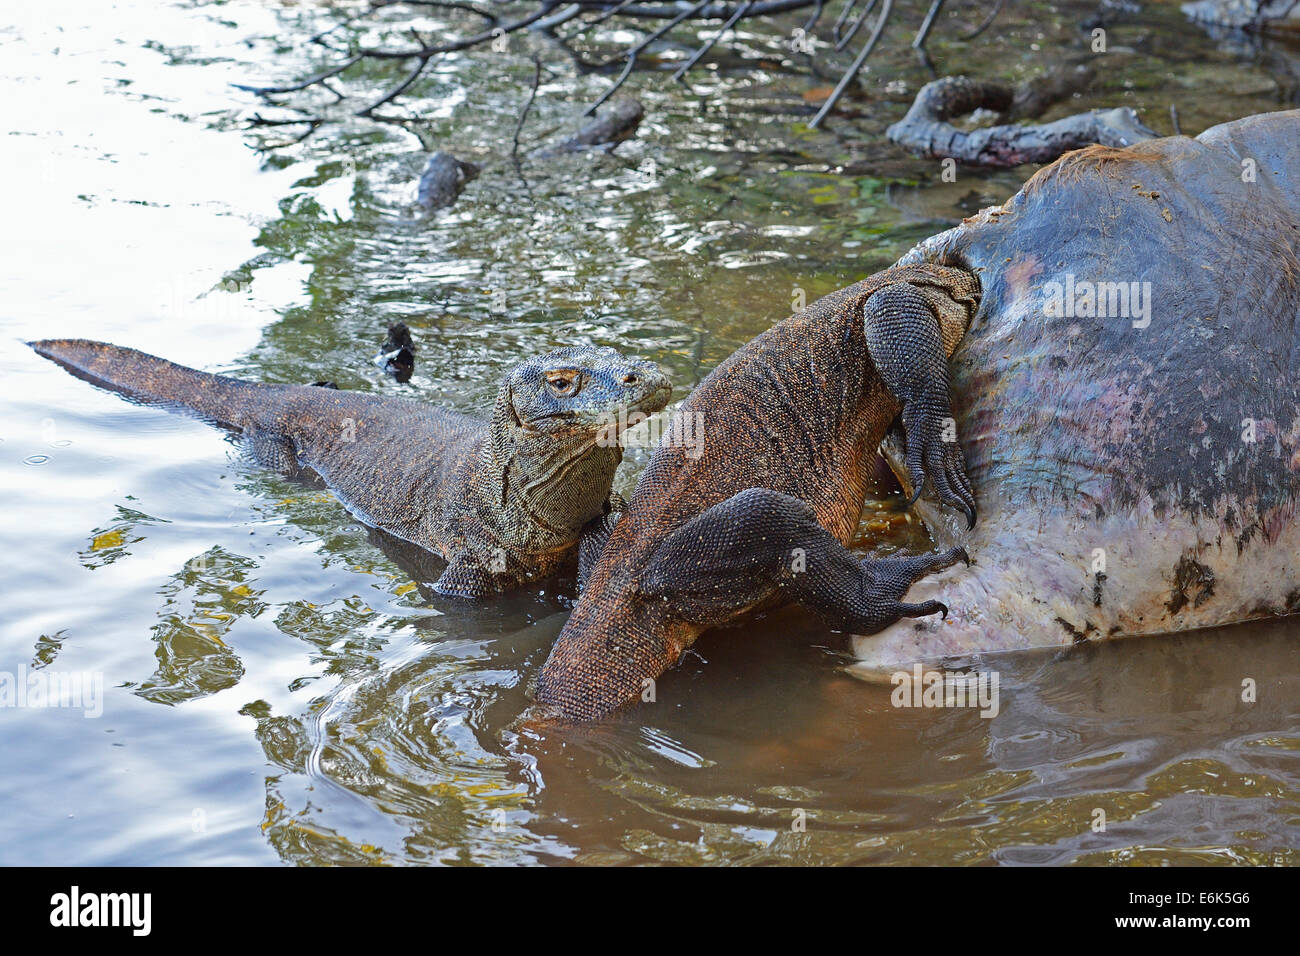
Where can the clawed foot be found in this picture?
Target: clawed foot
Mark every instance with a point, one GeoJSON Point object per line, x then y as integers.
{"type": "Point", "coordinates": [886, 580]}
{"type": "Point", "coordinates": [933, 452]}
{"type": "Point", "coordinates": [902, 329]}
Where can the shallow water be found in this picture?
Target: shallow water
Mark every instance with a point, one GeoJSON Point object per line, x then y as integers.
{"type": "Point", "coordinates": [277, 684]}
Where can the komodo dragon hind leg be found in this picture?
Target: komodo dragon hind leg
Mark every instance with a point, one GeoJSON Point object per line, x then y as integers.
{"type": "Point", "coordinates": [905, 344]}
{"type": "Point", "coordinates": [741, 551]}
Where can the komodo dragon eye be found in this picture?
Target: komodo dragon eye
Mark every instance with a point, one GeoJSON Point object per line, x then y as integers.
{"type": "Point", "coordinates": [564, 382]}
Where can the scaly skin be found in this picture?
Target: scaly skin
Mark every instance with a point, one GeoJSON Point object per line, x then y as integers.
{"type": "Point", "coordinates": [761, 514]}
{"type": "Point", "coordinates": [505, 502]}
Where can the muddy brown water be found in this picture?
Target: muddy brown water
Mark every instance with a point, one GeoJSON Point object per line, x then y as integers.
{"type": "Point", "coordinates": [276, 684]}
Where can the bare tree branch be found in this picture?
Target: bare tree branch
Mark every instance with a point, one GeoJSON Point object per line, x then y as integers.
{"type": "Point", "coordinates": [399, 89]}
{"type": "Point", "coordinates": [918, 43]}
{"type": "Point", "coordinates": [988, 21]}
{"type": "Point", "coordinates": [843, 40]}
{"type": "Point", "coordinates": [852, 71]}
{"type": "Point", "coordinates": [699, 54]}
{"type": "Point", "coordinates": [546, 16]}
{"type": "Point", "coordinates": [633, 53]}
{"type": "Point", "coordinates": [310, 81]}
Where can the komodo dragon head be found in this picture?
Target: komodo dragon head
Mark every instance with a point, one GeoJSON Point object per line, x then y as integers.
{"type": "Point", "coordinates": [582, 391]}
{"type": "Point", "coordinates": [546, 467]}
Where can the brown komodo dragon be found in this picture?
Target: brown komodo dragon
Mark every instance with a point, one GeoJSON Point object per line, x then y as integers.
{"type": "Point", "coordinates": [504, 502]}
{"type": "Point", "coordinates": [761, 515]}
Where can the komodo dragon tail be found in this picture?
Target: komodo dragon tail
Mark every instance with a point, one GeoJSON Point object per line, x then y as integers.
{"type": "Point", "coordinates": [155, 381]}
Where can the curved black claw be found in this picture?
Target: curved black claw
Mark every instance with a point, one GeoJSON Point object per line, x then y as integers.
{"type": "Point", "coordinates": [916, 566]}
{"type": "Point", "coordinates": [923, 609]}
{"type": "Point", "coordinates": [883, 583]}
{"type": "Point", "coordinates": [931, 456]}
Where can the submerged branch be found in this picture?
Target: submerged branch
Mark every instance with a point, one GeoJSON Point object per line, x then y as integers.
{"type": "Point", "coordinates": [927, 130]}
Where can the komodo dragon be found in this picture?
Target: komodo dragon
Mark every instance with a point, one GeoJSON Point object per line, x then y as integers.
{"type": "Point", "coordinates": [761, 515]}
{"type": "Point", "coordinates": [504, 502]}
{"type": "Point", "coordinates": [1128, 403]}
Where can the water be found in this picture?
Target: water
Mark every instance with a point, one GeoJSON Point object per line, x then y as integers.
{"type": "Point", "coordinates": [277, 684]}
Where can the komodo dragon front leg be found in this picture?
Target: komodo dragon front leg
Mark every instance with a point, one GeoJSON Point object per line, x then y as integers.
{"type": "Point", "coordinates": [742, 551]}
{"type": "Point", "coordinates": [905, 327]}
{"type": "Point", "coordinates": [595, 535]}
{"type": "Point", "coordinates": [758, 543]}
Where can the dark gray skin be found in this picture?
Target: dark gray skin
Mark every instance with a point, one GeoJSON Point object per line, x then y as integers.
{"type": "Point", "coordinates": [443, 178]}
{"type": "Point", "coordinates": [505, 501]}
{"type": "Point", "coordinates": [1135, 474]}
